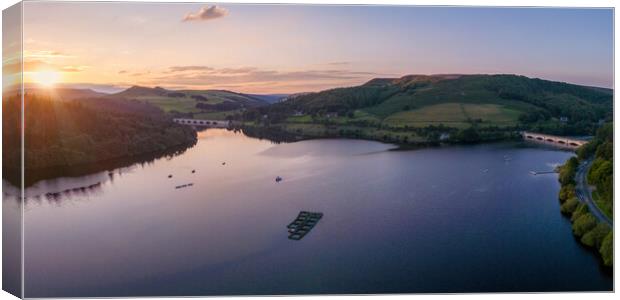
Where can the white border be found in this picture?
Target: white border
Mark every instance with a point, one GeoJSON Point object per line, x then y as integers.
{"type": "Point", "coordinates": [505, 3]}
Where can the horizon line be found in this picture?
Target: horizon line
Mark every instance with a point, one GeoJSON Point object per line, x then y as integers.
{"type": "Point", "coordinates": [123, 87]}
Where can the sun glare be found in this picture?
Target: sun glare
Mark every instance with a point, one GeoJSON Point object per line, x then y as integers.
{"type": "Point", "coordinates": [46, 78]}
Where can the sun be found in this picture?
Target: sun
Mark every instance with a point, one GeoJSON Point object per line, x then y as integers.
{"type": "Point", "coordinates": [46, 78]}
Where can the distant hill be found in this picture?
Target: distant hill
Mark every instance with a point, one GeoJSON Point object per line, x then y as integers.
{"type": "Point", "coordinates": [421, 109]}
{"type": "Point", "coordinates": [193, 101]}
{"type": "Point", "coordinates": [64, 93]}
{"type": "Point", "coordinates": [141, 91]}
{"type": "Point", "coordinates": [269, 98]}
{"type": "Point", "coordinates": [295, 95]}
{"type": "Point", "coordinates": [458, 101]}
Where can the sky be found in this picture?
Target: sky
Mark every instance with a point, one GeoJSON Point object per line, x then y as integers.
{"type": "Point", "coordinates": [300, 48]}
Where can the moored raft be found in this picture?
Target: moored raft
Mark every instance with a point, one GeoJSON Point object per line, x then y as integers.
{"type": "Point", "coordinates": [302, 225]}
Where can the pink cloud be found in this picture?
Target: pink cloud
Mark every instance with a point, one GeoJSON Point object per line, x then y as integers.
{"type": "Point", "coordinates": [206, 13]}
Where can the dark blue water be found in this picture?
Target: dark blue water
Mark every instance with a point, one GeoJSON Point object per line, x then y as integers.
{"type": "Point", "coordinates": [453, 219]}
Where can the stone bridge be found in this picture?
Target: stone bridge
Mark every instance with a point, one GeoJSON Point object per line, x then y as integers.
{"type": "Point", "coordinates": [552, 139]}
{"type": "Point", "coordinates": [203, 123]}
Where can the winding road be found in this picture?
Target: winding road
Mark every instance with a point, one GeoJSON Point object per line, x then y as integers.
{"type": "Point", "coordinates": [584, 192]}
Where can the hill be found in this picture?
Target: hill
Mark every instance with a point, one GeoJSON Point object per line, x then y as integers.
{"type": "Point", "coordinates": [421, 103]}
{"type": "Point", "coordinates": [193, 103]}
{"type": "Point", "coordinates": [270, 98]}
{"type": "Point", "coordinates": [66, 137]}
{"type": "Point", "coordinates": [64, 93]}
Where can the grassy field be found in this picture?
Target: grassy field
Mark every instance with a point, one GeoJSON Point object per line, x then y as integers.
{"type": "Point", "coordinates": [456, 115]}
{"type": "Point", "coordinates": [216, 115]}
{"type": "Point", "coordinates": [186, 104]}
{"type": "Point", "coordinates": [168, 104]}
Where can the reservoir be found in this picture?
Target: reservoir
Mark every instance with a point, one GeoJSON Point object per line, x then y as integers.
{"type": "Point", "coordinates": [446, 219]}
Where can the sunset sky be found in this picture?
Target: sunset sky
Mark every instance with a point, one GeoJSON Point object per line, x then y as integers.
{"type": "Point", "coordinates": [287, 49]}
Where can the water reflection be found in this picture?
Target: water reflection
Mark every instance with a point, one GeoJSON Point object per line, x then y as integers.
{"type": "Point", "coordinates": [431, 220]}
{"type": "Point", "coordinates": [57, 190]}
{"type": "Point", "coordinates": [31, 177]}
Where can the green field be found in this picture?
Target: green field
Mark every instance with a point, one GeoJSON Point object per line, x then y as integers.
{"type": "Point", "coordinates": [184, 101]}
{"type": "Point", "coordinates": [456, 115]}
{"type": "Point", "coordinates": [168, 104]}
{"type": "Point", "coordinates": [216, 115]}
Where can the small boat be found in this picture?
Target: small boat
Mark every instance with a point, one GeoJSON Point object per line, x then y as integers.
{"type": "Point", "coordinates": [485, 170]}
{"type": "Point", "coordinates": [278, 179]}
{"type": "Point", "coordinates": [184, 185]}
{"type": "Point", "coordinates": [223, 163]}
{"type": "Point", "coordinates": [193, 171]}
{"type": "Point", "coordinates": [170, 176]}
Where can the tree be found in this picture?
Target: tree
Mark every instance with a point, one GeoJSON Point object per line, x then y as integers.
{"type": "Point", "coordinates": [594, 238]}
{"type": "Point", "coordinates": [607, 249]}
{"type": "Point", "coordinates": [568, 171]}
{"type": "Point", "coordinates": [583, 224]}
{"type": "Point", "coordinates": [469, 135]}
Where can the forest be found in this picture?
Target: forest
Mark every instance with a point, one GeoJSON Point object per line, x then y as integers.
{"type": "Point", "coordinates": [586, 227]}
{"type": "Point", "coordinates": [62, 134]}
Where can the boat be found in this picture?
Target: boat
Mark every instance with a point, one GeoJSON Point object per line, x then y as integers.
{"type": "Point", "coordinates": [278, 179]}
{"type": "Point", "coordinates": [193, 171]}
{"type": "Point", "coordinates": [183, 185]}
{"type": "Point", "coordinates": [170, 176]}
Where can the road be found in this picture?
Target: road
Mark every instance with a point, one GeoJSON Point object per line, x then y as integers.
{"type": "Point", "coordinates": [584, 192]}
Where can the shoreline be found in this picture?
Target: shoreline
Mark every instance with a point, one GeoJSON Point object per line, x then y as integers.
{"type": "Point", "coordinates": [33, 176]}
{"type": "Point", "coordinates": [277, 134]}
{"type": "Point", "coordinates": [586, 228]}
{"type": "Point", "coordinates": [273, 134]}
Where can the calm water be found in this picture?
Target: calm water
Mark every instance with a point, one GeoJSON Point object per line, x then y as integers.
{"type": "Point", "coordinates": [430, 220]}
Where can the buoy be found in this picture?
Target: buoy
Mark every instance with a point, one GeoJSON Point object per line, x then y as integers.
{"type": "Point", "coordinates": [223, 163]}
{"type": "Point", "coordinates": [170, 176]}
{"type": "Point", "coordinates": [193, 171]}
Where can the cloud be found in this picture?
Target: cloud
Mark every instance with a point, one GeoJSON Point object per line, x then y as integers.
{"type": "Point", "coordinates": [338, 63]}
{"type": "Point", "coordinates": [44, 54]}
{"type": "Point", "coordinates": [102, 88]}
{"type": "Point", "coordinates": [206, 13]}
{"type": "Point", "coordinates": [242, 70]}
{"type": "Point", "coordinates": [255, 79]}
{"type": "Point", "coordinates": [33, 65]}
{"type": "Point", "coordinates": [188, 68]}
{"type": "Point", "coordinates": [73, 68]}
{"type": "Point", "coordinates": [140, 74]}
